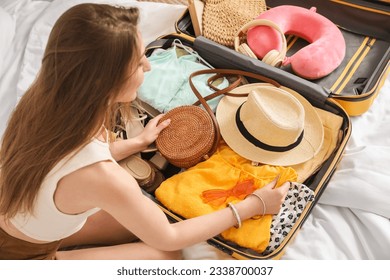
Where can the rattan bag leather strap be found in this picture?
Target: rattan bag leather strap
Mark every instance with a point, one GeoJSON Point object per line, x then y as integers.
{"type": "Point", "coordinates": [219, 73]}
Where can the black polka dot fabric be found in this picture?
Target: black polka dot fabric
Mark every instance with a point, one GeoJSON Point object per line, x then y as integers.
{"type": "Point", "coordinates": [296, 200]}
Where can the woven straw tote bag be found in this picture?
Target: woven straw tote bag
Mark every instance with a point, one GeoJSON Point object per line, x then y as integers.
{"type": "Point", "coordinates": [221, 19]}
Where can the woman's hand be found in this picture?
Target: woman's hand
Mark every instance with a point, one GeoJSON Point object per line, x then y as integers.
{"type": "Point", "coordinates": [273, 197]}
{"type": "Point", "coordinates": [123, 148]}
{"type": "Point", "coordinates": [153, 129]}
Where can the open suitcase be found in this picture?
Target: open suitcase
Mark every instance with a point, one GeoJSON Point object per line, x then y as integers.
{"type": "Point", "coordinates": [365, 26]}
{"type": "Point", "coordinates": [222, 57]}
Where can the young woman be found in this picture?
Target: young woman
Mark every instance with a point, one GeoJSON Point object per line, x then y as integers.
{"type": "Point", "coordinates": [60, 184]}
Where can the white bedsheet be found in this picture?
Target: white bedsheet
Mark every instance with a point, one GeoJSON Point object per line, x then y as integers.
{"type": "Point", "coordinates": [351, 219]}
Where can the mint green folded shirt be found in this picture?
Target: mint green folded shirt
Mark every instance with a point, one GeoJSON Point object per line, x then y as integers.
{"type": "Point", "coordinates": [166, 86]}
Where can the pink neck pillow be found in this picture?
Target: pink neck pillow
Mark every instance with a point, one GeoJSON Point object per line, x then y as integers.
{"type": "Point", "coordinates": [326, 48]}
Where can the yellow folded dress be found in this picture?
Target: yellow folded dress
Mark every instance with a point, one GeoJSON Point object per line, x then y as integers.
{"type": "Point", "coordinates": [225, 177]}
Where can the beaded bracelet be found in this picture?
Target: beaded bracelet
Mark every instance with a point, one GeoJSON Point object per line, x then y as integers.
{"type": "Point", "coordinates": [235, 214]}
{"type": "Point", "coordinates": [262, 201]}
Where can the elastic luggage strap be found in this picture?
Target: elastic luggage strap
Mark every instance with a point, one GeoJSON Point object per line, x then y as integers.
{"type": "Point", "coordinates": [353, 65]}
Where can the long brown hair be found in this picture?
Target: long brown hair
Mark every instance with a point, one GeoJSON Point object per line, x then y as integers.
{"type": "Point", "coordinates": [85, 64]}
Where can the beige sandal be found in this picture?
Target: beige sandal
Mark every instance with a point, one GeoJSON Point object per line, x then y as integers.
{"type": "Point", "coordinates": [147, 176]}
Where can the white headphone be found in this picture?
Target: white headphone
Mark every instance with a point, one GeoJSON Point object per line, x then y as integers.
{"type": "Point", "coordinates": [273, 57]}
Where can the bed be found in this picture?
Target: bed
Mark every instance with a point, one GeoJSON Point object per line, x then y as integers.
{"type": "Point", "coordinates": [351, 219]}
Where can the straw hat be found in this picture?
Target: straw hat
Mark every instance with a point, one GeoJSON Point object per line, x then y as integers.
{"type": "Point", "coordinates": [223, 18]}
{"type": "Point", "coordinates": [275, 126]}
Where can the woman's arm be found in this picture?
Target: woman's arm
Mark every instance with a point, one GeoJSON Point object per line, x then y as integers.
{"type": "Point", "coordinates": [123, 148]}
{"type": "Point", "coordinates": [119, 195]}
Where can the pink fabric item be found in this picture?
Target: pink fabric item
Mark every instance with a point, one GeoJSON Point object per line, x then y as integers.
{"type": "Point", "coordinates": [326, 48]}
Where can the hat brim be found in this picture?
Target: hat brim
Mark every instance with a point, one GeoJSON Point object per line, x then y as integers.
{"type": "Point", "coordinates": [307, 149]}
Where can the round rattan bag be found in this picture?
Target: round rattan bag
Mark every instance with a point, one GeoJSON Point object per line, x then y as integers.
{"type": "Point", "coordinates": [189, 138]}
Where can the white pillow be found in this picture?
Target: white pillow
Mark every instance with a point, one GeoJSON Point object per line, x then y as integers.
{"type": "Point", "coordinates": [7, 33]}
{"type": "Point", "coordinates": [156, 19]}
